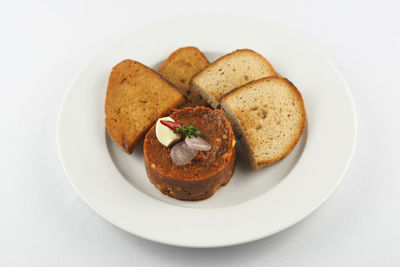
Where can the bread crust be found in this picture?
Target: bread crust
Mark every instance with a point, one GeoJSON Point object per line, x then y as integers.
{"type": "Point", "coordinates": [125, 72]}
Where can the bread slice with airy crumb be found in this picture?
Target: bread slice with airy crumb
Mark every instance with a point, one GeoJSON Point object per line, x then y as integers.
{"type": "Point", "coordinates": [179, 69]}
{"type": "Point", "coordinates": [136, 97]}
{"type": "Point", "coordinates": [269, 115]}
{"type": "Point", "coordinates": [229, 72]}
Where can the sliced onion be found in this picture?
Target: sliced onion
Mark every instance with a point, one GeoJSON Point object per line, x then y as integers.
{"type": "Point", "coordinates": [197, 143]}
{"type": "Point", "coordinates": [181, 153]}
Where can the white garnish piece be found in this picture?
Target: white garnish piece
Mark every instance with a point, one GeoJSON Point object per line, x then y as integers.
{"type": "Point", "coordinates": [165, 135]}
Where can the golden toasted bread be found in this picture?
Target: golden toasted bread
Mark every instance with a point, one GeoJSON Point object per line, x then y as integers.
{"type": "Point", "coordinates": [180, 67]}
{"type": "Point", "coordinates": [136, 97]}
{"type": "Point", "coordinates": [269, 115]}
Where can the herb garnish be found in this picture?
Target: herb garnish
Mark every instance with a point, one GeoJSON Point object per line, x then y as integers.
{"type": "Point", "coordinates": [188, 130]}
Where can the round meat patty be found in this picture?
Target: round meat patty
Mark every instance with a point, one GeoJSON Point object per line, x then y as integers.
{"type": "Point", "coordinates": [207, 172]}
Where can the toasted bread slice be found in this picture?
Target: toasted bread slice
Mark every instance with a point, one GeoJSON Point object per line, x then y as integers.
{"type": "Point", "coordinates": [269, 115]}
{"type": "Point", "coordinates": [228, 72]}
{"type": "Point", "coordinates": [136, 97]}
{"type": "Point", "coordinates": [180, 67]}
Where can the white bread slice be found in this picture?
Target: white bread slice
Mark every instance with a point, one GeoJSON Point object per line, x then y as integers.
{"type": "Point", "coordinates": [269, 115]}
{"type": "Point", "coordinates": [228, 72]}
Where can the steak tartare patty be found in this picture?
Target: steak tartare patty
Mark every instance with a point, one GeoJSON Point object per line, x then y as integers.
{"type": "Point", "coordinates": [207, 171]}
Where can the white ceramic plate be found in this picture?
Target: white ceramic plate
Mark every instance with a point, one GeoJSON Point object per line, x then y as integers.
{"type": "Point", "coordinates": [254, 204]}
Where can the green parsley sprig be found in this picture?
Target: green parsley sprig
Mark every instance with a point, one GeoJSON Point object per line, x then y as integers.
{"type": "Point", "coordinates": [188, 130]}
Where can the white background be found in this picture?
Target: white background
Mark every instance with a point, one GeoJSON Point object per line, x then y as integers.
{"type": "Point", "coordinates": [45, 223]}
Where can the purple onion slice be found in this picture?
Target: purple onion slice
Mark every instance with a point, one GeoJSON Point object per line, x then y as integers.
{"type": "Point", "coordinates": [197, 143]}
{"type": "Point", "coordinates": [181, 153]}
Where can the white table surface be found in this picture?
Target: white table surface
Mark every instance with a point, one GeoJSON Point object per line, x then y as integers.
{"type": "Point", "coordinates": [45, 223]}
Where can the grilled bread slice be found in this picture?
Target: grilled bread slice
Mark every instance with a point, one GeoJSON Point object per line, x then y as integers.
{"type": "Point", "coordinates": [180, 67]}
{"type": "Point", "coordinates": [228, 72]}
{"type": "Point", "coordinates": [136, 97]}
{"type": "Point", "coordinates": [269, 115]}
